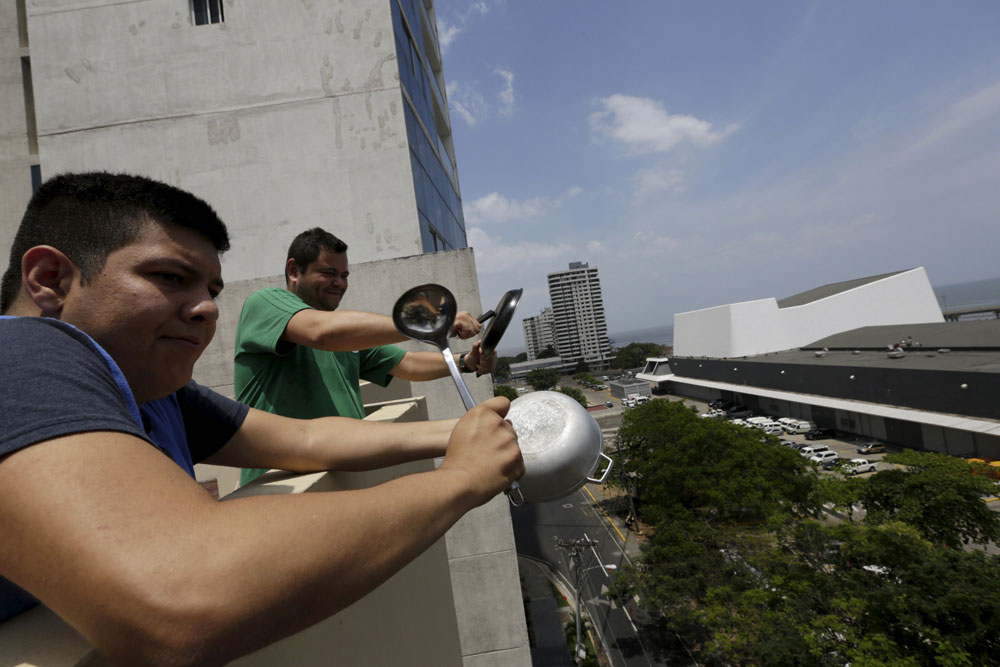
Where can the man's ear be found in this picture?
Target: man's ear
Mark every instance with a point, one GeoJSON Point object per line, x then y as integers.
{"type": "Point", "coordinates": [47, 275]}
{"type": "Point", "coordinates": [291, 270]}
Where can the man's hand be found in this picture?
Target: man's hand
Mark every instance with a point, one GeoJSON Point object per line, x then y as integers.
{"type": "Point", "coordinates": [483, 447]}
{"type": "Point", "coordinates": [465, 326]}
{"type": "Point", "coordinates": [476, 361]}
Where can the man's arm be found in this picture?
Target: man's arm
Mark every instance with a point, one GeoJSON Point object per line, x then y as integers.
{"type": "Point", "coordinates": [347, 330]}
{"type": "Point", "coordinates": [267, 440]}
{"type": "Point", "coordinates": [152, 570]}
{"type": "Point", "coordinates": [421, 366]}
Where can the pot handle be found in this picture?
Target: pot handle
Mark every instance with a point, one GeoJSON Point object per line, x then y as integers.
{"type": "Point", "coordinates": [606, 470]}
{"type": "Point", "coordinates": [514, 494]}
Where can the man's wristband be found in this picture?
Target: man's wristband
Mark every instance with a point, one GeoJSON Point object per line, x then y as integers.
{"type": "Point", "coordinates": [461, 364]}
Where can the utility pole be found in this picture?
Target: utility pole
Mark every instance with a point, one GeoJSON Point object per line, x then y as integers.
{"type": "Point", "coordinates": [575, 547]}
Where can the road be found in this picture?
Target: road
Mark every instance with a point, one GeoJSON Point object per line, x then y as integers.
{"type": "Point", "coordinates": [540, 527]}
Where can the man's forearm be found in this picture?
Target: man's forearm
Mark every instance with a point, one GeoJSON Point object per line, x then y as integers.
{"type": "Point", "coordinates": [266, 440]}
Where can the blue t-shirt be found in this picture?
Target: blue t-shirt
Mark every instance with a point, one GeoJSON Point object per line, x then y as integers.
{"type": "Point", "coordinates": [56, 381]}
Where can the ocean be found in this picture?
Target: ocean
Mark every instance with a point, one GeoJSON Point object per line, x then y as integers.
{"type": "Point", "coordinates": [661, 335]}
{"type": "Point", "coordinates": [969, 295]}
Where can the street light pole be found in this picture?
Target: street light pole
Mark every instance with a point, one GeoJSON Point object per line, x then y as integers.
{"type": "Point", "coordinates": [575, 547]}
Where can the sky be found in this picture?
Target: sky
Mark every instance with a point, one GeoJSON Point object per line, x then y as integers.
{"type": "Point", "coordinates": [704, 153]}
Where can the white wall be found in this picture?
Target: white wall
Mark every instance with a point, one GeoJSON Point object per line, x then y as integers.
{"type": "Point", "coordinates": [758, 327]}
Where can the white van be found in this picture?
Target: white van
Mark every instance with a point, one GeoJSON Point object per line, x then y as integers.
{"type": "Point", "coordinates": [812, 450]}
{"type": "Point", "coordinates": [799, 426]}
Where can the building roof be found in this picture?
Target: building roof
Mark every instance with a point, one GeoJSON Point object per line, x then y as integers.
{"type": "Point", "coordinates": [963, 335]}
{"type": "Point", "coordinates": [943, 420]}
{"type": "Point", "coordinates": [825, 291]}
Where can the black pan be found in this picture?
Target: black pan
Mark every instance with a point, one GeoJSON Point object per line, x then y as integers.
{"type": "Point", "coordinates": [502, 316]}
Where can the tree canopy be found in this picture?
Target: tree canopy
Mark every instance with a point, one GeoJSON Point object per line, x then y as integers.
{"type": "Point", "coordinates": [505, 390]}
{"type": "Point", "coordinates": [634, 355]}
{"type": "Point", "coordinates": [739, 568]}
{"type": "Point", "coordinates": [575, 394]}
{"type": "Point", "coordinates": [548, 352]}
{"type": "Point", "coordinates": [541, 379]}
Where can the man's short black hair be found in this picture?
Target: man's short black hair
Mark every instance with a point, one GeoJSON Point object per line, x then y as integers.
{"type": "Point", "coordinates": [88, 216]}
{"type": "Point", "coordinates": [306, 247]}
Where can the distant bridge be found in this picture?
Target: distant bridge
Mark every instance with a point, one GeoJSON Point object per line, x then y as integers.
{"type": "Point", "coordinates": [955, 314]}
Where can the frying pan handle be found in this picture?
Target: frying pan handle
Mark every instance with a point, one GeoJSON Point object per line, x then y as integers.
{"type": "Point", "coordinates": [485, 316]}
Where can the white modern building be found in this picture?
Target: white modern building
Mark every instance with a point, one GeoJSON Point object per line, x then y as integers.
{"type": "Point", "coordinates": [869, 358]}
{"type": "Point", "coordinates": [578, 308]}
{"type": "Point", "coordinates": [284, 116]}
{"type": "Point", "coordinates": [769, 325]}
{"type": "Point", "coordinates": [539, 333]}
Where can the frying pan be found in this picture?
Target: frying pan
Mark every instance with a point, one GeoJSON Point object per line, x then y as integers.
{"type": "Point", "coordinates": [502, 316]}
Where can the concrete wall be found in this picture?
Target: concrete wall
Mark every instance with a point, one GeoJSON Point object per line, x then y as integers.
{"type": "Point", "coordinates": [283, 117]}
{"type": "Point", "coordinates": [15, 159]}
{"type": "Point", "coordinates": [480, 552]}
{"type": "Point", "coordinates": [757, 327]}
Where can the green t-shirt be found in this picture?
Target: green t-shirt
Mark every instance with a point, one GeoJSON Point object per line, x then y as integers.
{"type": "Point", "coordinates": [294, 380]}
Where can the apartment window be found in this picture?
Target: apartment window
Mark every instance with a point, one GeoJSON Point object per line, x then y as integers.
{"type": "Point", "coordinates": [207, 11]}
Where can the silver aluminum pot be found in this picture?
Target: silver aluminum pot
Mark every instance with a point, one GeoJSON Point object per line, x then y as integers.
{"type": "Point", "coordinates": [561, 444]}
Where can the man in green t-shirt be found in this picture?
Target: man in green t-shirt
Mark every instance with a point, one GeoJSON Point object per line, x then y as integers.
{"type": "Point", "coordinates": [298, 356]}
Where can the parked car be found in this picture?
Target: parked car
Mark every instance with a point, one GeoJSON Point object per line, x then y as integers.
{"type": "Point", "coordinates": [859, 466]}
{"type": "Point", "coordinates": [823, 457]}
{"type": "Point", "coordinates": [819, 433]}
{"type": "Point", "coordinates": [609, 404]}
{"type": "Point", "coordinates": [833, 464]}
{"type": "Point", "coordinates": [787, 443]}
{"type": "Point", "coordinates": [771, 429]}
{"type": "Point", "coordinates": [871, 448]}
{"type": "Point", "coordinates": [813, 449]}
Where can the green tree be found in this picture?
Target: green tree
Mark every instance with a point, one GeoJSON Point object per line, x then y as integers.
{"type": "Point", "coordinates": [634, 355]}
{"type": "Point", "coordinates": [575, 394]}
{"type": "Point", "coordinates": [582, 367]}
{"type": "Point", "coordinates": [521, 357]}
{"type": "Point", "coordinates": [684, 464]}
{"type": "Point", "coordinates": [585, 378]}
{"type": "Point", "coordinates": [541, 379]}
{"type": "Point", "coordinates": [548, 353]}
{"type": "Point", "coordinates": [503, 367]}
{"type": "Point", "coordinates": [505, 390]}
{"type": "Point", "coordinates": [935, 493]}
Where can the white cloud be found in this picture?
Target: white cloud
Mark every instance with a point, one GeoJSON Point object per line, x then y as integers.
{"type": "Point", "coordinates": [645, 126]}
{"type": "Point", "coordinates": [507, 93]}
{"type": "Point", "coordinates": [656, 179]}
{"type": "Point", "coordinates": [494, 207]}
{"type": "Point", "coordinates": [448, 31]}
{"type": "Point", "coordinates": [495, 257]}
{"type": "Point", "coordinates": [467, 103]}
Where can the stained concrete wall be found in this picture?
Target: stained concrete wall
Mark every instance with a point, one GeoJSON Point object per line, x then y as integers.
{"type": "Point", "coordinates": [283, 117]}
{"type": "Point", "coordinates": [15, 159]}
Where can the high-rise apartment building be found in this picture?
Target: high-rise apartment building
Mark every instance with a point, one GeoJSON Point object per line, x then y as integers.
{"type": "Point", "coordinates": [539, 333]}
{"type": "Point", "coordinates": [578, 308]}
{"type": "Point", "coordinates": [283, 116]}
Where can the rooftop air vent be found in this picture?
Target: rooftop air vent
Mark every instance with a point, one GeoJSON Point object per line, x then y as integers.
{"type": "Point", "coordinates": [896, 354]}
{"type": "Point", "coordinates": [820, 353]}
{"type": "Point", "coordinates": [943, 350]}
